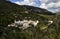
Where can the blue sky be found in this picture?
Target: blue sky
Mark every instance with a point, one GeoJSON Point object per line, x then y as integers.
{"type": "Point", "coordinates": [51, 5]}
{"type": "Point", "coordinates": [24, 2]}
{"type": "Point", "coordinates": [16, 0]}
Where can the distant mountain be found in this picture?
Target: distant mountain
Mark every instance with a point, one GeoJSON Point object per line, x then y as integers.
{"type": "Point", "coordinates": [37, 10]}
{"type": "Point", "coordinates": [57, 13]}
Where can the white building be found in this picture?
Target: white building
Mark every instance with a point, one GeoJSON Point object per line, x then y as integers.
{"type": "Point", "coordinates": [50, 22]}
{"type": "Point", "coordinates": [24, 23]}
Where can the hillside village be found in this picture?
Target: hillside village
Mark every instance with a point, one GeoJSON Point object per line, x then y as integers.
{"type": "Point", "coordinates": [27, 23]}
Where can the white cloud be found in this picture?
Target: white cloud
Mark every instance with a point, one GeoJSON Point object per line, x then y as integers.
{"type": "Point", "coordinates": [27, 2]}
{"type": "Point", "coordinates": [57, 4]}
{"type": "Point", "coordinates": [51, 5]}
{"type": "Point", "coordinates": [44, 1]}
{"type": "Point", "coordinates": [23, 2]}
{"type": "Point", "coordinates": [43, 5]}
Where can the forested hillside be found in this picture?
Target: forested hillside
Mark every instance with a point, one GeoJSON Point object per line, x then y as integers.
{"type": "Point", "coordinates": [9, 12]}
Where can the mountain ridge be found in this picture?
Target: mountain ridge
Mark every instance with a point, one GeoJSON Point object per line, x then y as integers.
{"type": "Point", "coordinates": [29, 8]}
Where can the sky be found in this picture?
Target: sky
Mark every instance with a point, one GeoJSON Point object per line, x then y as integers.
{"type": "Point", "coordinates": [51, 5]}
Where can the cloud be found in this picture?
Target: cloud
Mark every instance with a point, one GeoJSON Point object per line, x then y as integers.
{"type": "Point", "coordinates": [43, 5]}
{"type": "Point", "coordinates": [54, 5]}
{"type": "Point", "coordinates": [29, 2]}
{"type": "Point", "coordinates": [44, 1]}
{"type": "Point", "coordinates": [51, 5]}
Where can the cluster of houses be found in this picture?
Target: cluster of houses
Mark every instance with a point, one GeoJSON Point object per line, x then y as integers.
{"type": "Point", "coordinates": [26, 23]}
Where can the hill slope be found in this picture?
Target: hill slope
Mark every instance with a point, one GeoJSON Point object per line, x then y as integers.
{"type": "Point", "coordinates": [10, 12]}
{"type": "Point", "coordinates": [16, 8]}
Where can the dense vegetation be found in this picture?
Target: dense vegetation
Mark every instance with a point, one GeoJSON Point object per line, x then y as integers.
{"type": "Point", "coordinates": [10, 12]}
